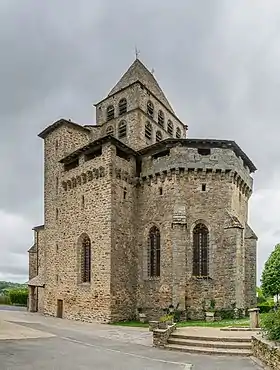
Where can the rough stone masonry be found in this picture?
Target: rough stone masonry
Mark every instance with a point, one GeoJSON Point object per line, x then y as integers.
{"type": "Point", "coordinates": [138, 217]}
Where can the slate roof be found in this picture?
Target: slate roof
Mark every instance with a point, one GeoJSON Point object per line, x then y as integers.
{"type": "Point", "coordinates": [37, 281]}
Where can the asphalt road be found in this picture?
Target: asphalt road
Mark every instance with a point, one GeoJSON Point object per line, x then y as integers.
{"type": "Point", "coordinates": [79, 346]}
{"type": "Point", "coordinates": [12, 308]}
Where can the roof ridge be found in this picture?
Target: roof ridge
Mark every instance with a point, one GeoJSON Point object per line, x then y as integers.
{"type": "Point", "coordinates": [137, 71]}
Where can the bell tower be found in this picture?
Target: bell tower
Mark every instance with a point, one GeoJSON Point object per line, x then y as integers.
{"type": "Point", "coordinates": [137, 112]}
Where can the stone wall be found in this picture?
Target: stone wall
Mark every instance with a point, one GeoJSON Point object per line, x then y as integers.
{"type": "Point", "coordinates": [123, 252]}
{"type": "Point", "coordinates": [32, 256]}
{"type": "Point", "coordinates": [84, 208]}
{"type": "Point", "coordinates": [250, 267]}
{"type": "Point", "coordinates": [160, 336]}
{"type": "Point", "coordinates": [171, 197]}
{"type": "Point", "coordinates": [41, 267]}
{"type": "Point", "coordinates": [266, 351]}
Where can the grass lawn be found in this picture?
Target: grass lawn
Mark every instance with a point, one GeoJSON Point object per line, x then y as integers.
{"type": "Point", "coordinates": [216, 324]}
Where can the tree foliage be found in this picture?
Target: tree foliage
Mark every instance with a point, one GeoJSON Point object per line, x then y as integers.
{"type": "Point", "coordinates": [271, 274]}
{"type": "Point", "coordinates": [6, 285]}
{"type": "Point", "coordinates": [271, 325]}
{"type": "Point", "coordinates": [18, 296]}
{"type": "Point", "coordinates": [261, 298]}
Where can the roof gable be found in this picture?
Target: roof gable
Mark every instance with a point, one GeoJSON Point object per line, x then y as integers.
{"type": "Point", "coordinates": [138, 72]}
{"type": "Point", "coordinates": [59, 123]}
{"type": "Point", "coordinates": [249, 233]}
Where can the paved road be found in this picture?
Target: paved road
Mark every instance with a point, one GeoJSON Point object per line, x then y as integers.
{"type": "Point", "coordinates": [11, 308]}
{"type": "Point", "coordinates": [80, 346]}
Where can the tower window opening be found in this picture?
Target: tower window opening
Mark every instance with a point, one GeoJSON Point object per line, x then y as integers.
{"type": "Point", "coordinates": [122, 106]}
{"type": "Point", "coordinates": [150, 109]}
{"type": "Point", "coordinates": [124, 193]}
{"type": "Point", "coordinates": [122, 129]}
{"type": "Point", "coordinates": [203, 187]}
{"type": "Point", "coordinates": [161, 118]}
{"type": "Point", "coordinates": [170, 127]}
{"type": "Point", "coordinates": [110, 112]}
{"type": "Point", "coordinates": [148, 131]}
{"type": "Point", "coordinates": [160, 191]}
{"type": "Point", "coordinates": [158, 136]}
{"type": "Point", "coordinates": [110, 130]}
{"type": "Point", "coordinates": [178, 133]}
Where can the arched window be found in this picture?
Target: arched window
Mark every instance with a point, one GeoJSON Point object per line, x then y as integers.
{"type": "Point", "coordinates": [200, 250]}
{"type": "Point", "coordinates": [85, 259]}
{"type": "Point", "coordinates": [110, 112]}
{"type": "Point", "coordinates": [158, 136]}
{"type": "Point", "coordinates": [122, 106]}
{"type": "Point", "coordinates": [150, 109]}
{"type": "Point", "coordinates": [148, 130]}
{"type": "Point", "coordinates": [122, 129]}
{"type": "Point", "coordinates": [154, 252]}
{"type": "Point", "coordinates": [161, 118]}
{"type": "Point", "coordinates": [178, 133]}
{"type": "Point", "coordinates": [110, 130]}
{"type": "Point", "coordinates": [170, 127]}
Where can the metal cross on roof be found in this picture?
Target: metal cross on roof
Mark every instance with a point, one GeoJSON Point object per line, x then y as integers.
{"type": "Point", "coordinates": [137, 52]}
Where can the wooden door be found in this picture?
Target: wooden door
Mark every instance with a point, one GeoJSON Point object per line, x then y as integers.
{"type": "Point", "coordinates": [60, 308]}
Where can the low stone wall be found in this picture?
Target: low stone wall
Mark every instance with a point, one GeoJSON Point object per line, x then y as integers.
{"type": "Point", "coordinates": [266, 351]}
{"type": "Point", "coordinates": [160, 336]}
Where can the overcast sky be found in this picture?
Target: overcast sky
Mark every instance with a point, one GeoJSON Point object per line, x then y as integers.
{"type": "Point", "coordinates": [217, 61]}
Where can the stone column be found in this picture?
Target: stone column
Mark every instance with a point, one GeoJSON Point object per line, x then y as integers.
{"type": "Point", "coordinates": [178, 237]}
{"type": "Point", "coordinates": [240, 269]}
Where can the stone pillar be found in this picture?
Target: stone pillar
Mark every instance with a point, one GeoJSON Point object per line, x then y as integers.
{"type": "Point", "coordinates": [32, 299]}
{"type": "Point", "coordinates": [254, 318]}
{"type": "Point", "coordinates": [240, 270]}
{"type": "Point", "coordinates": [178, 237]}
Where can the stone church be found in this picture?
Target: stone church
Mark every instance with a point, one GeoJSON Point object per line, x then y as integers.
{"type": "Point", "coordinates": [138, 217]}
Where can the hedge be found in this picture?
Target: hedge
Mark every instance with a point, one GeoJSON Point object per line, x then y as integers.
{"type": "Point", "coordinates": [265, 307]}
{"type": "Point", "coordinates": [18, 296]}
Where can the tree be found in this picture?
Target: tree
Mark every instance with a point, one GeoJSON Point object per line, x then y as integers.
{"type": "Point", "coordinates": [261, 298]}
{"type": "Point", "coordinates": [271, 274]}
{"type": "Point", "coordinates": [18, 296]}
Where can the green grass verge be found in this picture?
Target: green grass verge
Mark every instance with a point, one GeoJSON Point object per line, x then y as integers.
{"type": "Point", "coordinates": [216, 324]}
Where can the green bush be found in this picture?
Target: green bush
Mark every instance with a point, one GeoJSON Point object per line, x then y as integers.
{"type": "Point", "coordinates": [265, 307]}
{"type": "Point", "coordinates": [5, 300]}
{"type": "Point", "coordinates": [225, 314]}
{"type": "Point", "coordinates": [166, 318]}
{"type": "Point", "coordinates": [271, 325]}
{"type": "Point", "coordinates": [18, 296]}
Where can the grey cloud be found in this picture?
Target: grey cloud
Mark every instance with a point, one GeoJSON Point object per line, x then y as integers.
{"type": "Point", "coordinates": [218, 63]}
{"type": "Point", "coordinates": [14, 270]}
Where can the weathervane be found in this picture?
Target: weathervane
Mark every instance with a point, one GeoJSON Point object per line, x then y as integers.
{"type": "Point", "coordinates": [137, 52]}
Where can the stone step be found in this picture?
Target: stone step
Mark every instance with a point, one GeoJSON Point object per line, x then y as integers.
{"type": "Point", "coordinates": [209, 351]}
{"type": "Point", "coordinates": [209, 339]}
{"type": "Point", "coordinates": [210, 344]}
{"type": "Point", "coordinates": [241, 329]}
